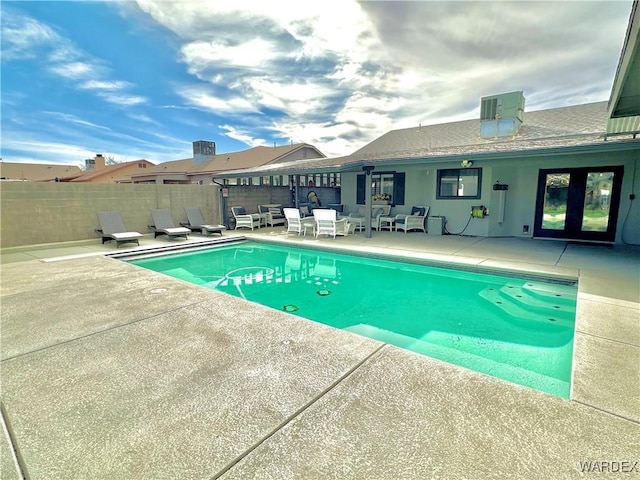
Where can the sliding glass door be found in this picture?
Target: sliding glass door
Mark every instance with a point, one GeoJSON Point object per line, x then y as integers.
{"type": "Point", "coordinates": [578, 203]}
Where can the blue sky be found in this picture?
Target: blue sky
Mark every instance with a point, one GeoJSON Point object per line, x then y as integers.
{"type": "Point", "coordinates": [144, 79]}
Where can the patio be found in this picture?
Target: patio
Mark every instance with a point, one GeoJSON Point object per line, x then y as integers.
{"type": "Point", "coordinates": [112, 371]}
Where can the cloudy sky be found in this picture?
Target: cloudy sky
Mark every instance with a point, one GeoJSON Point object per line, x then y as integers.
{"type": "Point", "coordinates": [144, 79]}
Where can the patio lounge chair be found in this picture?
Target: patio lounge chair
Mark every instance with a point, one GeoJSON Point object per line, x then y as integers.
{"type": "Point", "coordinates": [163, 225]}
{"type": "Point", "coordinates": [196, 222]}
{"type": "Point", "coordinates": [296, 223]}
{"type": "Point", "coordinates": [244, 219]}
{"type": "Point", "coordinates": [414, 221]}
{"type": "Point", "coordinates": [112, 228]}
{"type": "Point", "coordinates": [327, 223]}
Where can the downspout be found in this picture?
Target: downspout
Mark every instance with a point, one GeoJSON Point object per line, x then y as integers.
{"type": "Point", "coordinates": [367, 200]}
{"type": "Point", "coordinates": [222, 203]}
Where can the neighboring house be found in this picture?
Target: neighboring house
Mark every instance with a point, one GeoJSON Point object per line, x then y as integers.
{"type": "Point", "coordinates": [567, 173]}
{"type": "Point", "coordinates": [205, 168]}
{"type": "Point", "coordinates": [37, 172]}
{"type": "Point", "coordinates": [99, 172]}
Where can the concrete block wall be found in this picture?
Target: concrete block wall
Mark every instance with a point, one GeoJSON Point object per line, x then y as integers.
{"type": "Point", "coordinates": [36, 213]}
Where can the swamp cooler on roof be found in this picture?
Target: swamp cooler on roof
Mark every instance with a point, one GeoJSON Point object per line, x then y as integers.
{"type": "Point", "coordinates": [501, 115]}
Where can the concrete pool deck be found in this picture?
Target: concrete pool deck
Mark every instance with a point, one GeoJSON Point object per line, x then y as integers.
{"type": "Point", "coordinates": [116, 372]}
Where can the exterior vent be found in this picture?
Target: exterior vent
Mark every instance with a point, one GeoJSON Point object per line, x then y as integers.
{"type": "Point", "coordinates": [203, 151]}
{"type": "Point", "coordinates": [501, 115]}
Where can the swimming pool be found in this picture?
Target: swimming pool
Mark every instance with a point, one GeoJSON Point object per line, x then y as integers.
{"type": "Point", "coordinates": [517, 329]}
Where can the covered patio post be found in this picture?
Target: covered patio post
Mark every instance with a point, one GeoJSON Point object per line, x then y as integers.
{"type": "Point", "coordinates": [367, 200]}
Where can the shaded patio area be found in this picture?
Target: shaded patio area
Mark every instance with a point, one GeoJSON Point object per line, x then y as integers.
{"type": "Point", "coordinates": [113, 371]}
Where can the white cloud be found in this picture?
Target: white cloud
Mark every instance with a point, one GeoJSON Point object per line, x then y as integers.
{"type": "Point", "coordinates": [202, 98]}
{"type": "Point", "coordinates": [121, 99]}
{"type": "Point", "coordinates": [73, 119]}
{"type": "Point", "coordinates": [104, 85]}
{"type": "Point", "coordinates": [73, 70]}
{"type": "Point", "coordinates": [241, 135]}
{"type": "Point", "coordinates": [23, 36]}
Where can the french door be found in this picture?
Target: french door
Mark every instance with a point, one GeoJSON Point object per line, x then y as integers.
{"type": "Point", "coordinates": [578, 203]}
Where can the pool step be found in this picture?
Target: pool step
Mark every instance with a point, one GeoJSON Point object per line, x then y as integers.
{"type": "Point", "coordinates": [552, 291]}
{"type": "Point", "coordinates": [518, 303]}
{"type": "Point", "coordinates": [519, 375]}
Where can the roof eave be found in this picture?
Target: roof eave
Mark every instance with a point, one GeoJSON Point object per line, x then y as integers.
{"type": "Point", "coordinates": [625, 93]}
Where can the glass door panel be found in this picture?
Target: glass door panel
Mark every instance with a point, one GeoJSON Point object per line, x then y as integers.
{"type": "Point", "coordinates": [597, 202]}
{"type": "Point", "coordinates": [555, 201]}
{"type": "Point", "coordinates": [578, 203]}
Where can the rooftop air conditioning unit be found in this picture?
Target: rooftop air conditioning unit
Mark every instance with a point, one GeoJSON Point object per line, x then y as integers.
{"type": "Point", "coordinates": [501, 115]}
{"type": "Point", "coordinates": [203, 151]}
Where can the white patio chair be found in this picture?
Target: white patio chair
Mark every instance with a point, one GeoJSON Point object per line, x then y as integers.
{"type": "Point", "coordinates": [414, 221]}
{"type": "Point", "coordinates": [327, 223]}
{"type": "Point", "coordinates": [244, 219]}
{"type": "Point", "coordinates": [296, 223]}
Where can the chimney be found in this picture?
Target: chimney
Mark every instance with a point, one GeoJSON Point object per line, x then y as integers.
{"type": "Point", "coordinates": [99, 161]}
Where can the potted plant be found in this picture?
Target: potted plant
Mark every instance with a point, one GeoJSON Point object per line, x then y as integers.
{"type": "Point", "coordinates": [381, 198]}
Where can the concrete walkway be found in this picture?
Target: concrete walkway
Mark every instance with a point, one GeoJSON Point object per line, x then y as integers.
{"type": "Point", "coordinates": [110, 371]}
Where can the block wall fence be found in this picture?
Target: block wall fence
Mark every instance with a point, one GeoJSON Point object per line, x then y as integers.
{"type": "Point", "coordinates": [34, 213]}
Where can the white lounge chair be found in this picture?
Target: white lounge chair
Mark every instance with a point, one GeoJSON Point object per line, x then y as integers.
{"type": "Point", "coordinates": [196, 222]}
{"type": "Point", "coordinates": [296, 223]}
{"type": "Point", "coordinates": [163, 225]}
{"type": "Point", "coordinates": [414, 221]}
{"type": "Point", "coordinates": [327, 223]}
{"type": "Point", "coordinates": [112, 228]}
{"type": "Point", "coordinates": [244, 219]}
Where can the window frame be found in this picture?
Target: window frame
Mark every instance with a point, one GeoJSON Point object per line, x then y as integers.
{"type": "Point", "coordinates": [448, 172]}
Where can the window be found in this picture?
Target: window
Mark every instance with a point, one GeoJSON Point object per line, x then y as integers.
{"type": "Point", "coordinates": [459, 183]}
{"type": "Point", "coordinates": [383, 185]}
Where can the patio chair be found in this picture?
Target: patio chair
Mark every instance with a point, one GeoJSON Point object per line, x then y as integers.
{"type": "Point", "coordinates": [296, 223]}
{"type": "Point", "coordinates": [196, 222]}
{"type": "Point", "coordinates": [327, 223]}
{"type": "Point", "coordinates": [377, 211]}
{"type": "Point", "coordinates": [163, 225]}
{"type": "Point", "coordinates": [414, 221]}
{"type": "Point", "coordinates": [272, 214]}
{"type": "Point", "coordinates": [112, 228]}
{"type": "Point", "coordinates": [244, 219]}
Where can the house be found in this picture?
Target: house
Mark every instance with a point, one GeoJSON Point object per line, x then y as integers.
{"type": "Point", "coordinates": [37, 172]}
{"type": "Point", "coordinates": [568, 173]}
{"type": "Point", "coordinates": [205, 165]}
{"type": "Point", "coordinates": [98, 172]}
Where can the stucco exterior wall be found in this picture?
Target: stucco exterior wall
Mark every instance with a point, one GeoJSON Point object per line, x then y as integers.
{"type": "Point", "coordinates": [520, 200]}
{"type": "Point", "coordinates": [35, 213]}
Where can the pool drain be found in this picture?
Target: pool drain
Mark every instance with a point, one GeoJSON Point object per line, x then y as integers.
{"type": "Point", "coordinates": [323, 292]}
{"type": "Point", "coordinates": [290, 308]}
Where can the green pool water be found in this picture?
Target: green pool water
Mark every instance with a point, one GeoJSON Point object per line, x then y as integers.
{"type": "Point", "coordinates": [516, 329]}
